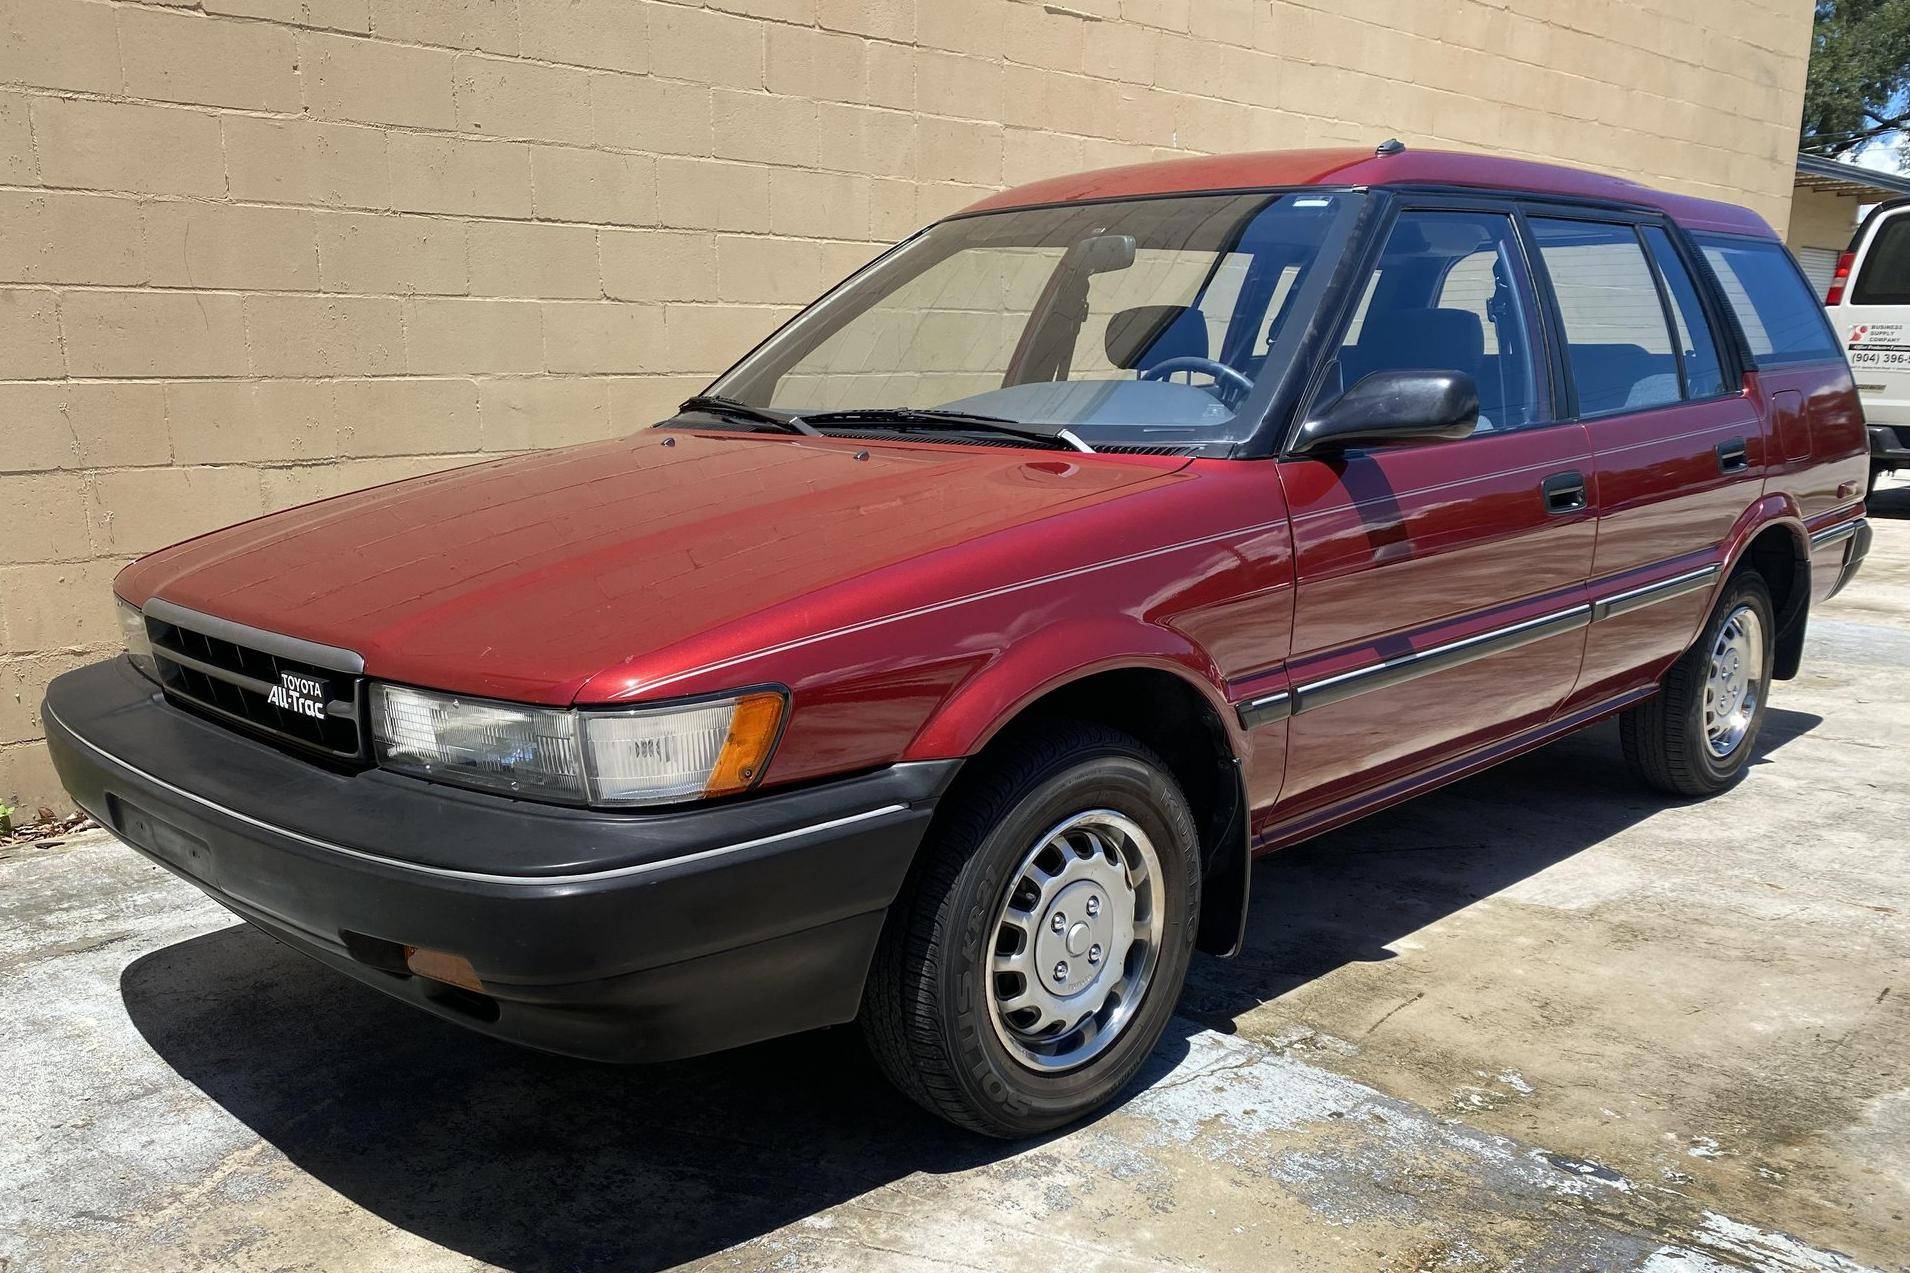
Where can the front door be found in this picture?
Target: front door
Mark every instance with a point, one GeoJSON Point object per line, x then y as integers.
{"type": "Point", "coordinates": [1441, 602]}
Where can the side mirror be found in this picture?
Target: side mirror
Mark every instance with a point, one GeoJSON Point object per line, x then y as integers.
{"type": "Point", "coordinates": [1393, 406]}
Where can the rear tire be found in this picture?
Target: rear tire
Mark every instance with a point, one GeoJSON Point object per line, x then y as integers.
{"type": "Point", "coordinates": [1696, 735]}
{"type": "Point", "coordinates": [1061, 880]}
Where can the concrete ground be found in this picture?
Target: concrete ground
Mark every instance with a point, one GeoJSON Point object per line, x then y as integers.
{"type": "Point", "coordinates": [1542, 1019]}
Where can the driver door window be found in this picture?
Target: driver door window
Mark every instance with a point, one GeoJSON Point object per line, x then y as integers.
{"type": "Point", "coordinates": [1450, 293]}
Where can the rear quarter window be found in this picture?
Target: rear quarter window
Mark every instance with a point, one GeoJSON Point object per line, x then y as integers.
{"type": "Point", "coordinates": [1776, 308]}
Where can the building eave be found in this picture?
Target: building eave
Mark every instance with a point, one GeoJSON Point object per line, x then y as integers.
{"type": "Point", "coordinates": [1833, 176]}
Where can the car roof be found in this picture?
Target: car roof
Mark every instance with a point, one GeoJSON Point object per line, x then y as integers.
{"type": "Point", "coordinates": [1367, 168]}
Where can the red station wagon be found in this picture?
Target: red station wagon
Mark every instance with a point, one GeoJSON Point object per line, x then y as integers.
{"type": "Point", "coordinates": [944, 666]}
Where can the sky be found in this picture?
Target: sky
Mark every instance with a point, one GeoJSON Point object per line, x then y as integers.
{"type": "Point", "coordinates": [1884, 153]}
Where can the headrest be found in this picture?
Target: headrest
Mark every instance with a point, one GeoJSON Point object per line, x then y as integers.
{"type": "Point", "coordinates": [1148, 335]}
{"type": "Point", "coordinates": [1435, 339]}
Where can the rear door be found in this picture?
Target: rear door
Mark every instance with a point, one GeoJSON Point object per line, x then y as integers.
{"type": "Point", "coordinates": [1800, 370]}
{"type": "Point", "coordinates": [1678, 447]}
{"type": "Point", "coordinates": [1440, 604]}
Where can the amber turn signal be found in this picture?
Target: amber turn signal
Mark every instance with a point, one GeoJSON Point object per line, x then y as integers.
{"type": "Point", "coordinates": [752, 733]}
{"type": "Point", "coordinates": [442, 965]}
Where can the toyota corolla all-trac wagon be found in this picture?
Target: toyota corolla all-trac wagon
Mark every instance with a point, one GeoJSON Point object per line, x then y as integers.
{"type": "Point", "coordinates": [944, 665]}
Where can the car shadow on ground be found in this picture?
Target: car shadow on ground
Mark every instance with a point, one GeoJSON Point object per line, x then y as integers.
{"type": "Point", "coordinates": [528, 1161]}
{"type": "Point", "coordinates": [1346, 896]}
{"type": "Point", "coordinates": [1890, 501]}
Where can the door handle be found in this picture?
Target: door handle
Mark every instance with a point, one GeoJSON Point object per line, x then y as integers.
{"type": "Point", "coordinates": [1563, 492]}
{"type": "Point", "coordinates": [1733, 456]}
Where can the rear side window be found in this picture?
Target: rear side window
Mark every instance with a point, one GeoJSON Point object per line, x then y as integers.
{"type": "Point", "coordinates": [1617, 343]}
{"type": "Point", "coordinates": [1779, 313]}
{"type": "Point", "coordinates": [1704, 377]}
{"type": "Point", "coordinates": [1885, 279]}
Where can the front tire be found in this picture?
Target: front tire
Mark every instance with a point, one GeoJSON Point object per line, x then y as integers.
{"type": "Point", "coordinates": [1696, 735]}
{"type": "Point", "coordinates": [1036, 958]}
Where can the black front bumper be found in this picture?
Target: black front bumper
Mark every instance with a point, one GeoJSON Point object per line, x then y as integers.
{"type": "Point", "coordinates": [617, 937]}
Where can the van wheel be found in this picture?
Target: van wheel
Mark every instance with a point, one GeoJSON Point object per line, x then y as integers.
{"type": "Point", "coordinates": [1034, 962]}
{"type": "Point", "coordinates": [1695, 736]}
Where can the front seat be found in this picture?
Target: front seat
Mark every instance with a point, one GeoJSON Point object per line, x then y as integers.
{"type": "Point", "coordinates": [1146, 336]}
{"type": "Point", "coordinates": [1422, 340]}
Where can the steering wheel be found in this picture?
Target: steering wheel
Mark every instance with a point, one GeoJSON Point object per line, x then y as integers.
{"type": "Point", "coordinates": [1236, 385]}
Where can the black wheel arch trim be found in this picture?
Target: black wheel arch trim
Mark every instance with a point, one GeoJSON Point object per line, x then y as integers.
{"type": "Point", "coordinates": [1226, 886]}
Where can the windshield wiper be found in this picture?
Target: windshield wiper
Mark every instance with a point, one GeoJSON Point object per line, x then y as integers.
{"type": "Point", "coordinates": [955, 421]}
{"type": "Point", "coordinates": [731, 409]}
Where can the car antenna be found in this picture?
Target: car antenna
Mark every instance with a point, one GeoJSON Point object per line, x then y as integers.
{"type": "Point", "coordinates": [1391, 146]}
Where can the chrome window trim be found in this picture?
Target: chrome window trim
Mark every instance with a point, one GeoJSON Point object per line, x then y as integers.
{"type": "Point", "coordinates": [532, 881]}
{"type": "Point", "coordinates": [1268, 709]}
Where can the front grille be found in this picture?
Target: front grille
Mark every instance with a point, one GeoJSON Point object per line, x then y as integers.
{"type": "Point", "coordinates": [248, 688]}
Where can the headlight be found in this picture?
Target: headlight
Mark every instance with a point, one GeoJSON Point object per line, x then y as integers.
{"type": "Point", "coordinates": [644, 756]}
{"type": "Point", "coordinates": [527, 751]}
{"type": "Point", "coordinates": [132, 630]}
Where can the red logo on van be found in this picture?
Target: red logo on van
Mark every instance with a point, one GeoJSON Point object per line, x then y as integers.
{"type": "Point", "coordinates": [1857, 333]}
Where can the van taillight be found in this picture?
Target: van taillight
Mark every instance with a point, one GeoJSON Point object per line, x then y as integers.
{"type": "Point", "coordinates": [1835, 296]}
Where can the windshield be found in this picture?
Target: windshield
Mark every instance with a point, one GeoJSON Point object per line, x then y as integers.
{"type": "Point", "coordinates": [1144, 322]}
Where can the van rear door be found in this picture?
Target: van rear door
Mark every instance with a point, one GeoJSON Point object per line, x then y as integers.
{"type": "Point", "coordinates": [1871, 313]}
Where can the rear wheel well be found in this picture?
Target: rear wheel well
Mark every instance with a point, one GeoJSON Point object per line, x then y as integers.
{"type": "Point", "coordinates": [1175, 721]}
{"type": "Point", "coordinates": [1779, 555]}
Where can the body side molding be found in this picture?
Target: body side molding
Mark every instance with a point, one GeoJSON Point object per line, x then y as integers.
{"type": "Point", "coordinates": [1334, 689]}
{"type": "Point", "coordinates": [1836, 534]}
{"type": "Point", "coordinates": [1267, 709]}
{"type": "Point", "coordinates": [1651, 594]}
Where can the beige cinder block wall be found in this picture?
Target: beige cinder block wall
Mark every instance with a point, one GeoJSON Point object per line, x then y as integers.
{"type": "Point", "coordinates": [253, 252]}
{"type": "Point", "coordinates": [1820, 219]}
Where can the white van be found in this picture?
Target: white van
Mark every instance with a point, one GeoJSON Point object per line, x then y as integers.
{"type": "Point", "coordinates": [1869, 305]}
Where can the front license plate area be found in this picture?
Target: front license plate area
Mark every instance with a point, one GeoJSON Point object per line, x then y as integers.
{"type": "Point", "coordinates": [176, 848]}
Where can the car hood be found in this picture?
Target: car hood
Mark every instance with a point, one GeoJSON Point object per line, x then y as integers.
{"type": "Point", "coordinates": [524, 578]}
